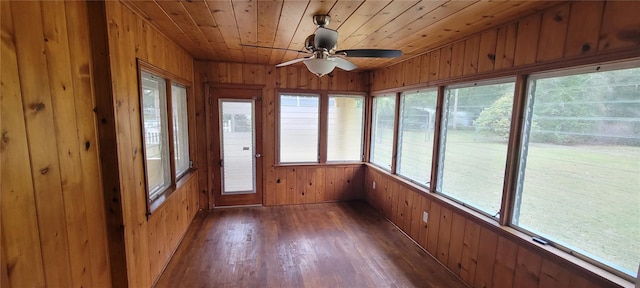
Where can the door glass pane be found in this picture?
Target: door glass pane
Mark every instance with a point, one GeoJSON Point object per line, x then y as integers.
{"type": "Point", "coordinates": [238, 146]}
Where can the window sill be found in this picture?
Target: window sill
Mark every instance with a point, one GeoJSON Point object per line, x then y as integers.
{"type": "Point", "coordinates": [331, 164]}
{"type": "Point", "coordinates": [510, 233]}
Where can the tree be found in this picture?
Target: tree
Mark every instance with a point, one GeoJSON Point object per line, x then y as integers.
{"type": "Point", "coordinates": [496, 119]}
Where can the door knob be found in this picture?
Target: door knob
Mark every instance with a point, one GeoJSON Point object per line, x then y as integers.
{"type": "Point", "coordinates": [258, 155]}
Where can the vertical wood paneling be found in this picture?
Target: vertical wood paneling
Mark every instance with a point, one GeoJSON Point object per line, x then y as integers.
{"type": "Point", "coordinates": [445, 61]}
{"type": "Point", "coordinates": [434, 228]}
{"type": "Point", "coordinates": [457, 59]}
{"type": "Point", "coordinates": [486, 258]}
{"type": "Point", "coordinates": [526, 40]}
{"type": "Point", "coordinates": [424, 227]}
{"type": "Point", "coordinates": [425, 69]}
{"type": "Point", "coordinates": [553, 33]}
{"type": "Point", "coordinates": [87, 143]}
{"type": "Point", "coordinates": [553, 275]}
{"type": "Point", "coordinates": [20, 237]}
{"type": "Point", "coordinates": [470, 247]}
{"type": "Point", "coordinates": [583, 28]}
{"type": "Point", "coordinates": [168, 222]}
{"type": "Point", "coordinates": [415, 204]}
{"type": "Point", "coordinates": [619, 27]}
{"type": "Point", "coordinates": [527, 268]}
{"type": "Point", "coordinates": [456, 243]}
{"type": "Point", "coordinates": [471, 50]}
{"type": "Point", "coordinates": [40, 121]}
{"type": "Point", "coordinates": [505, 266]}
{"type": "Point", "coordinates": [444, 235]}
{"type": "Point", "coordinates": [487, 51]}
{"type": "Point", "coordinates": [62, 93]}
{"type": "Point", "coordinates": [53, 225]}
{"type": "Point", "coordinates": [434, 65]}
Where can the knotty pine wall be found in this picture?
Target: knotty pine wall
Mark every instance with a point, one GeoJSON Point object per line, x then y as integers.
{"type": "Point", "coordinates": [148, 243]}
{"type": "Point", "coordinates": [52, 208]}
{"type": "Point", "coordinates": [573, 33]}
{"type": "Point", "coordinates": [281, 184]}
{"type": "Point", "coordinates": [484, 254]}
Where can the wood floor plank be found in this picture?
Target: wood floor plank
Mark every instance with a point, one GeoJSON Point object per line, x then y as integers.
{"type": "Point", "coordinates": [346, 244]}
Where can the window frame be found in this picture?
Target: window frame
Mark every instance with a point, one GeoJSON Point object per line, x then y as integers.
{"type": "Point", "coordinates": [437, 187]}
{"type": "Point", "coordinates": [514, 144]}
{"type": "Point", "coordinates": [323, 123]}
{"type": "Point", "coordinates": [394, 148]}
{"type": "Point", "coordinates": [180, 174]}
{"type": "Point", "coordinates": [362, 128]}
{"type": "Point", "coordinates": [523, 140]}
{"type": "Point", "coordinates": [176, 181]}
{"type": "Point", "coordinates": [436, 129]}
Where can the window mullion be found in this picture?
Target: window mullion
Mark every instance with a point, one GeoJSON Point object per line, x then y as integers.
{"type": "Point", "coordinates": [513, 150]}
{"type": "Point", "coordinates": [435, 164]}
{"type": "Point", "coordinates": [323, 109]}
{"type": "Point", "coordinates": [396, 126]}
{"type": "Point", "coordinates": [170, 136]}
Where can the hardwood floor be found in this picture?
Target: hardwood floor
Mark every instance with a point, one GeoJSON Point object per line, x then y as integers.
{"type": "Point", "coordinates": [315, 245]}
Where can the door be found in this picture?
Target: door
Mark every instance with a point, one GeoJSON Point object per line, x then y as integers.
{"type": "Point", "coordinates": [237, 158]}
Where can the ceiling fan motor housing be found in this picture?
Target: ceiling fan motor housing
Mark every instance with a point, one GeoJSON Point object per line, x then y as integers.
{"type": "Point", "coordinates": [321, 20]}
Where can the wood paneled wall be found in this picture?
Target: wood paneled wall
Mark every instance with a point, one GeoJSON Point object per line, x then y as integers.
{"type": "Point", "coordinates": [148, 242]}
{"type": "Point", "coordinates": [481, 254]}
{"type": "Point", "coordinates": [282, 184]}
{"type": "Point", "coordinates": [53, 216]}
{"type": "Point", "coordinates": [578, 32]}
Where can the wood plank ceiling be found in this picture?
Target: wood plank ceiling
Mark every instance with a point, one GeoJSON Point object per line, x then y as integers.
{"type": "Point", "coordinates": [215, 30]}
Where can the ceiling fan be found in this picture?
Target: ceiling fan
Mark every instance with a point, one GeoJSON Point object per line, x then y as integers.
{"type": "Point", "coordinates": [324, 56]}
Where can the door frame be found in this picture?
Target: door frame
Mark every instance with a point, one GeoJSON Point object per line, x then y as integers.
{"type": "Point", "coordinates": [213, 141]}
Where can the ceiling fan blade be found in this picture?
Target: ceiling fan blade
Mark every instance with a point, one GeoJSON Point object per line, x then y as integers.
{"type": "Point", "coordinates": [295, 61]}
{"type": "Point", "coordinates": [344, 64]}
{"type": "Point", "coordinates": [326, 38]}
{"type": "Point", "coordinates": [275, 48]}
{"type": "Point", "coordinates": [373, 53]}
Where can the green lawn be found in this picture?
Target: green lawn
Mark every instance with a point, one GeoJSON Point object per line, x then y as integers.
{"type": "Point", "coordinates": [586, 197]}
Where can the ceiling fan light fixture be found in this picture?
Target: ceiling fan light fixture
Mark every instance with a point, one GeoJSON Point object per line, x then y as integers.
{"type": "Point", "coordinates": [320, 67]}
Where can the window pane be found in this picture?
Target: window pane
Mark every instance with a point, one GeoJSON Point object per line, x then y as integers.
{"type": "Point", "coordinates": [299, 130]}
{"type": "Point", "coordinates": [415, 138]}
{"type": "Point", "coordinates": [581, 184]}
{"type": "Point", "coordinates": [154, 102]}
{"type": "Point", "coordinates": [180, 128]}
{"type": "Point", "coordinates": [475, 133]}
{"type": "Point", "coordinates": [344, 134]}
{"type": "Point", "coordinates": [384, 108]}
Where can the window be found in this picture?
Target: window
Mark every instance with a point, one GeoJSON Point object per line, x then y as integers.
{"type": "Point", "coordinates": [156, 135]}
{"type": "Point", "coordinates": [475, 131]}
{"type": "Point", "coordinates": [384, 108]}
{"type": "Point", "coordinates": [415, 138]}
{"type": "Point", "coordinates": [345, 129]}
{"type": "Point", "coordinates": [180, 128]}
{"type": "Point", "coordinates": [165, 131]}
{"type": "Point", "coordinates": [299, 128]}
{"type": "Point", "coordinates": [579, 177]}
